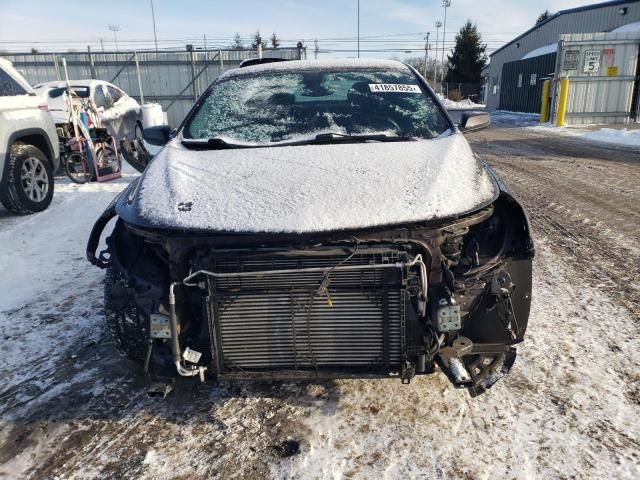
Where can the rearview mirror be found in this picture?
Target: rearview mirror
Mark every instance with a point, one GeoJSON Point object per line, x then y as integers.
{"type": "Point", "coordinates": [158, 135]}
{"type": "Point", "coordinates": [471, 121]}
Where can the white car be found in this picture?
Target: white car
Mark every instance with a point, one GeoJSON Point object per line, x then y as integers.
{"type": "Point", "coordinates": [29, 152]}
{"type": "Point", "coordinates": [120, 114]}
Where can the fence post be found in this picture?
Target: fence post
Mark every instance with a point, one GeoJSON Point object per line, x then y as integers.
{"type": "Point", "coordinates": [92, 66]}
{"type": "Point", "coordinates": [57, 66]}
{"type": "Point", "coordinates": [221, 62]}
{"type": "Point", "coordinates": [139, 78]}
{"type": "Point", "coordinates": [193, 76]}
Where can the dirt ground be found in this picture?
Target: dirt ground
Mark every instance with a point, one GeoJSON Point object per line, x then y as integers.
{"type": "Point", "coordinates": [71, 407]}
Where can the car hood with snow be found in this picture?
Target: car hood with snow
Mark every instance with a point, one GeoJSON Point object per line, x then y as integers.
{"type": "Point", "coordinates": [301, 189]}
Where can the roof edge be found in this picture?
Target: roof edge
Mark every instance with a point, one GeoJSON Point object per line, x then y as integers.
{"type": "Point", "coordinates": [584, 8]}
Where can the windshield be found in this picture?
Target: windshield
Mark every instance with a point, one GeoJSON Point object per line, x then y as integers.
{"type": "Point", "coordinates": [283, 106]}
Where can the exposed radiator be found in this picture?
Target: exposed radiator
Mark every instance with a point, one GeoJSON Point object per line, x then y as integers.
{"type": "Point", "coordinates": [269, 322]}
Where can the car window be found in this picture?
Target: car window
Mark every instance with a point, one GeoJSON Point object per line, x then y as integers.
{"type": "Point", "coordinates": [281, 106]}
{"type": "Point", "coordinates": [114, 93]}
{"type": "Point", "coordinates": [8, 86]}
{"type": "Point", "coordinates": [100, 98]}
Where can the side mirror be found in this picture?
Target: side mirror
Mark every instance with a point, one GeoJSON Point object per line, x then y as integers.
{"type": "Point", "coordinates": [158, 135]}
{"type": "Point", "coordinates": [471, 121]}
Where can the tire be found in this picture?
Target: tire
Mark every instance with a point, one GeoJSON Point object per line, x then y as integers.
{"type": "Point", "coordinates": [29, 182]}
{"type": "Point", "coordinates": [77, 168]}
{"type": "Point", "coordinates": [107, 152]}
{"type": "Point", "coordinates": [127, 326]}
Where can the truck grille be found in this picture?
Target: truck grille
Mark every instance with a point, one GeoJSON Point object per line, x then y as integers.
{"type": "Point", "coordinates": [265, 321]}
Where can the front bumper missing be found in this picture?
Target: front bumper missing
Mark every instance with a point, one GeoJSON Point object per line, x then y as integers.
{"type": "Point", "coordinates": [339, 321]}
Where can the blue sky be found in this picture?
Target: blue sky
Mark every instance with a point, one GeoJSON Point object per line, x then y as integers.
{"type": "Point", "coordinates": [396, 24]}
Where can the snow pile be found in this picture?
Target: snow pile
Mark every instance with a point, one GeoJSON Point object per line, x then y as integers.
{"type": "Point", "coordinates": [626, 137]}
{"type": "Point", "coordinates": [312, 188]}
{"type": "Point", "coordinates": [538, 52]}
{"type": "Point", "coordinates": [465, 104]}
{"type": "Point", "coordinates": [628, 28]}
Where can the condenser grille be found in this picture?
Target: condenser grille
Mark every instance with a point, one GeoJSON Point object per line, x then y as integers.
{"type": "Point", "coordinates": [275, 321]}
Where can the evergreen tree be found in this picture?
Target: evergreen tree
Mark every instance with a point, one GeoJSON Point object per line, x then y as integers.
{"type": "Point", "coordinates": [543, 16]}
{"type": "Point", "coordinates": [468, 57]}
{"type": "Point", "coordinates": [275, 41]}
{"type": "Point", "coordinates": [257, 40]}
{"type": "Point", "coordinates": [237, 42]}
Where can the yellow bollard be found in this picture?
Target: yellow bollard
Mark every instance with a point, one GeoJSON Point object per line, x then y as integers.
{"type": "Point", "coordinates": [544, 109]}
{"type": "Point", "coordinates": [562, 102]}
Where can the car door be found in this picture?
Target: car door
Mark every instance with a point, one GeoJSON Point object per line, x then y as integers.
{"type": "Point", "coordinates": [123, 112]}
{"type": "Point", "coordinates": [103, 104]}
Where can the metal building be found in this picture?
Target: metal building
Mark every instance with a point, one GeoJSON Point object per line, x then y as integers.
{"type": "Point", "coordinates": [600, 17]}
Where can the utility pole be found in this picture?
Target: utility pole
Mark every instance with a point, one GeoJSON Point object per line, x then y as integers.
{"type": "Point", "coordinates": [446, 4]}
{"type": "Point", "coordinates": [153, 17]}
{"type": "Point", "coordinates": [435, 72]}
{"type": "Point", "coordinates": [205, 42]}
{"type": "Point", "coordinates": [426, 54]}
{"type": "Point", "coordinates": [358, 28]}
{"type": "Point", "coordinates": [315, 50]}
{"type": "Point", "coordinates": [114, 29]}
{"type": "Point", "coordinates": [101, 44]}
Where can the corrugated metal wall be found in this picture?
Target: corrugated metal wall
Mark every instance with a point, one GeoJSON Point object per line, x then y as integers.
{"type": "Point", "coordinates": [522, 83]}
{"type": "Point", "coordinates": [602, 19]}
{"type": "Point", "coordinates": [165, 75]}
{"type": "Point", "coordinates": [604, 96]}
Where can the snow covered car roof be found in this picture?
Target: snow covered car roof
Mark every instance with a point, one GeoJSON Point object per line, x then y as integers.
{"type": "Point", "coordinates": [305, 65]}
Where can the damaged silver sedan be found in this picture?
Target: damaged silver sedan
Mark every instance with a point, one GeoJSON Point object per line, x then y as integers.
{"type": "Point", "coordinates": [318, 220]}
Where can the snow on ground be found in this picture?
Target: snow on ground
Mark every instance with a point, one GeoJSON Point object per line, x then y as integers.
{"type": "Point", "coordinates": [70, 407]}
{"type": "Point", "coordinates": [623, 136]}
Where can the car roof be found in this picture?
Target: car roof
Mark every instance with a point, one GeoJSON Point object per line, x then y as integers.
{"type": "Point", "coordinates": [306, 65]}
{"type": "Point", "coordinates": [90, 82]}
{"type": "Point", "coordinates": [8, 67]}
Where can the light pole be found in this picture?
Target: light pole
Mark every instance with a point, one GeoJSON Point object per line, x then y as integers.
{"type": "Point", "coordinates": [426, 54]}
{"type": "Point", "coordinates": [435, 73]}
{"type": "Point", "coordinates": [358, 28]}
{"type": "Point", "coordinates": [446, 4]}
{"type": "Point", "coordinates": [155, 36]}
{"type": "Point", "coordinates": [114, 29]}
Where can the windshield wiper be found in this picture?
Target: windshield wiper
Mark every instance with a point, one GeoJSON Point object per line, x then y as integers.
{"type": "Point", "coordinates": [213, 143]}
{"type": "Point", "coordinates": [331, 137]}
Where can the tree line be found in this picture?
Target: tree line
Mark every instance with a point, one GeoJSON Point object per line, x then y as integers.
{"type": "Point", "coordinates": [256, 39]}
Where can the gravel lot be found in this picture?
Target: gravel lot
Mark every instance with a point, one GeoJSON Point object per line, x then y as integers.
{"type": "Point", "coordinates": [71, 407]}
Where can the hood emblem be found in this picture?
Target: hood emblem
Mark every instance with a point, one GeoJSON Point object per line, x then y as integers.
{"type": "Point", "coordinates": [185, 206]}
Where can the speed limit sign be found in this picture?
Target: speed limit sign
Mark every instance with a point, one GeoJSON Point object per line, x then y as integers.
{"type": "Point", "coordinates": [592, 61]}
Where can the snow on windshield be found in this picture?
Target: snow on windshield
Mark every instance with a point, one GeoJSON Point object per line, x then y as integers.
{"type": "Point", "coordinates": [281, 106]}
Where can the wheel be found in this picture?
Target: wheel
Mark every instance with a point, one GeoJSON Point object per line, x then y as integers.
{"type": "Point", "coordinates": [106, 157]}
{"type": "Point", "coordinates": [78, 168]}
{"type": "Point", "coordinates": [29, 182]}
{"type": "Point", "coordinates": [128, 327]}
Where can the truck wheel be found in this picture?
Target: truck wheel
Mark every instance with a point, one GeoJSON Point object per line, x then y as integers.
{"type": "Point", "coordinates": [29, 182]}
{"type": "Point", "coordinates": [128, 326]}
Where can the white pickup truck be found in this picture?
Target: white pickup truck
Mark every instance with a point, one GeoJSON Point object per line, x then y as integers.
{"type": "Point", "coordinates": [29, 150]}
